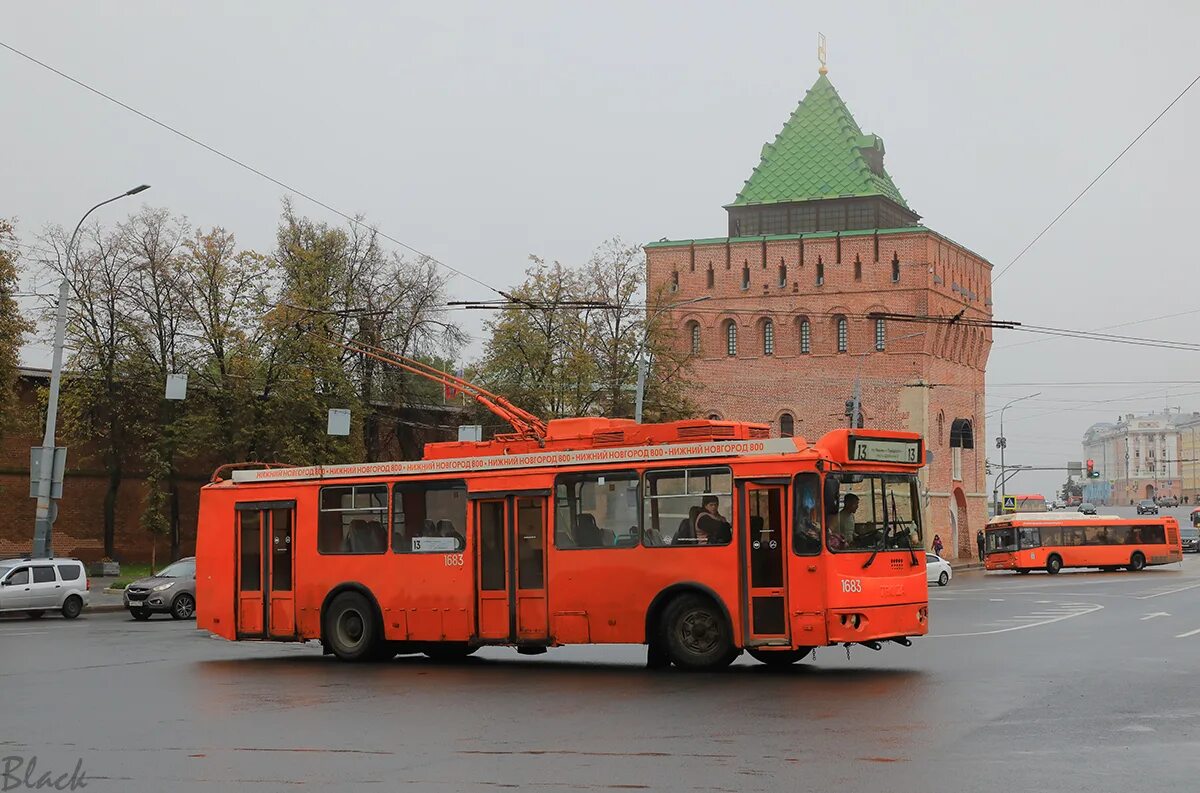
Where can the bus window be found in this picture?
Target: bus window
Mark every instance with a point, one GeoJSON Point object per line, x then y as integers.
{"type": "Point", "coordinates": [1001, 540]}
{"type": "Point", "coordinates": [1154, 533]}
{"type": "Point", "coordinates": [1030, 539]}
{"type": "Point", "coordinates": [596, 510]}
{"type": "Point", "coordinates": [429, 517]}
{"type": "Point", "coordinates": [877, 511]}
{"type": "Point", "coordinates": [806, 527]}
{"type": "Point", "coordinates": [351, 519]}
{"type": "Point", "coordinates": [690, 507]}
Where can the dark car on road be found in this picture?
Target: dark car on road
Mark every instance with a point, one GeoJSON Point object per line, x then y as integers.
{"type": "Point", "coordinates": [1167, 501]}
{"type": "Point", "coordinates": [1087, 509]}
{"type": "Point", "coordinates": [1147, 507]}
{"type": "Point", "coordinates": [171, 591]}
{"type": "Point", "coordinates": [1189, 537]}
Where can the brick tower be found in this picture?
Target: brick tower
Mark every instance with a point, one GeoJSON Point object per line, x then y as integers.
{"type": "Point", "coordinates": [776, 313]}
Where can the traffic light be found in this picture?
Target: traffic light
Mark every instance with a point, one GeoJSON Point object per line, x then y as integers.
{"type": "Point", "coordinates": [1092, 473]}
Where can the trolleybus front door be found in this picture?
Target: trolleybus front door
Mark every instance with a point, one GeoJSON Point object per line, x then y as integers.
{"type": "Point", "coordinates": [511, 538]}
{"type": "Point", "coordinates": [766, 542]}
{"type": "Point", "coordinates": [266, 601]}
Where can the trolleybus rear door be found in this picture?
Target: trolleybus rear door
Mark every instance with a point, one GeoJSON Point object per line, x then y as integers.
{"type": "Point", "coordinates": [765, 542]}
{"type": "Point", "coordinates": [511, 570]}
{"type": "Point", "coordinates": [266, 602]}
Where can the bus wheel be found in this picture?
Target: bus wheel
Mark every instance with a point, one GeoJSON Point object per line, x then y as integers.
{"type": "Point", "coordinates": [1053, 564]}
{"type": "Point", "coordinates": [350, 627]}
{"type": "Point", "coordinates": [698, 636]}
{"type": "Point", "coordinates": [779, 658]}
{"type": "Point", "coordinates": [448, 652]}
{"type": "Point", "coordinates": [1137, 561]}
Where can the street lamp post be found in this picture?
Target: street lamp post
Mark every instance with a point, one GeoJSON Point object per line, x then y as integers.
{"type": "Point", "coordinates": [643, 365]}
{"type": "Point", "coordinates": [1002, 442]}
{"type": "Point", "coordinates": [46, 509]}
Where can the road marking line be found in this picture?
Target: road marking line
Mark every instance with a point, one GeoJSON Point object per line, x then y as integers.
{"type": "Point", "coordinates": [1189, 633]}
{"type": "Point", "coordinates": [1155, 614]}
{"type": "Point", "coordinates": [1168, 592]}
{"type": "Point", "coordinates": [1092, 607]}
{"type": "Point", "coordinates": [24, 633]}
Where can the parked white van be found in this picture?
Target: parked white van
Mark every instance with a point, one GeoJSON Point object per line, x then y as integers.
{"type": "Point", "coordinates": [35, 586]}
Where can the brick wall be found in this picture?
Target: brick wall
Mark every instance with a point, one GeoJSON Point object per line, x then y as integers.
{"type": "Point", "coordinates": [927, 376]}
{"type": "Point", "coordinates": [79, 528]}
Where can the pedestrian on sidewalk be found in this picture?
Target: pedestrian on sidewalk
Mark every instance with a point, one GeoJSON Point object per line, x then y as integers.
{"type": "Point", "coordinates": [937, 544]}
{"type": "Point", "coordinates": [979, 542]}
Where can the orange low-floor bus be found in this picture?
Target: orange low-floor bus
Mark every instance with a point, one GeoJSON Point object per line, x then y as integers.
{"type": "Point", "coordinates": [700, 539]}
{"type": "Point", "coordinates": [1028, 502]}
{"type": "Point", "coordinates": [1052, 541]}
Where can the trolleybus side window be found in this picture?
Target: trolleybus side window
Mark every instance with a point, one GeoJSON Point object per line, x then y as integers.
{"type": "Point", "coordinates": [351, 519]}
{"type": "Point", "coordinates": [688, 507]}
{"type": "Point", "coordinates": [1029, 538]}
{"type": "Point", "coordinates": [806, 525]}
{"type": "Point", "coordinates": [596, 510]}
{"type": "Point", "coordinates": [429, 517]}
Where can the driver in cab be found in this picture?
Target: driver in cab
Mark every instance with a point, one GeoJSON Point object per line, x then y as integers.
{"type": "Point", "coordinates": [846, 526]}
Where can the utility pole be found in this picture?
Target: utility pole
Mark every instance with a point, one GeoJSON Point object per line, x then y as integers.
{"type": "Point", "coordinates": [51, 461]}
{"type": "Point", "coordinates": [1002, 444]}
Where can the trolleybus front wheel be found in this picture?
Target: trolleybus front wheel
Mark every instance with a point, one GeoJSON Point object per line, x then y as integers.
{"type": "Point", "coordinates": [1053, 564]}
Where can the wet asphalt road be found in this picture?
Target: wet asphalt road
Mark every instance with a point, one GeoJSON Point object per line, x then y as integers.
{"type": "Point", "coordinates": [1083, 682]}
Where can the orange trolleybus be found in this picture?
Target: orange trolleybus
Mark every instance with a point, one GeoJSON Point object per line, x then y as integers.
{"type": "Point", "coordinates": [1050, 542]}
{"type": "Point", "coordinates": [700, 539]}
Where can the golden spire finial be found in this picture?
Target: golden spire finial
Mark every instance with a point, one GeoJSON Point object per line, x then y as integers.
{"type": "Point", "coordinates": [821, 53]}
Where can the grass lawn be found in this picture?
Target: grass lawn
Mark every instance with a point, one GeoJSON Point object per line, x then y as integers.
{"type": "Point", "coordinates": [129, 574]}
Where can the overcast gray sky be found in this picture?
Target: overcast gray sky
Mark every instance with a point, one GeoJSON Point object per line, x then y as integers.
{"type": "Point", "coordinates": [482, 132]}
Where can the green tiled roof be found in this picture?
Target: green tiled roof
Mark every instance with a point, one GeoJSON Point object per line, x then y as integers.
{"type": "Point", "coordinates": [819, 154]}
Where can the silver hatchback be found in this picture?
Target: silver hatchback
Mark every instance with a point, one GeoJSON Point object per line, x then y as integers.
{"type": "Point", "coordinates": [170, 591]}
{"type": "Point", "coordinates": [35, 586]}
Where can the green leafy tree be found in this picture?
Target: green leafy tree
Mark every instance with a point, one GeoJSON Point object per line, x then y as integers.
{"type": "Point", "coordinates": [569, 343]}
{"type": "Point", "coordinates": [13, 326]}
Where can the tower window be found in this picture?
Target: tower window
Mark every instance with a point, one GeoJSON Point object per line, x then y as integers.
{"type": "Point", "coordinates": [675, 281]}
{"type": "Point", "coordinates": [787, 425]}
{"type": "Point", "coordinates": [711, 277]}
{"type": "Point", "coordinates": [820, 271]}
{"type": "Point", "coordinates": [694, 333]}
{"type": "Point", "coordinates": [880, 336]}
{"type": "Point", "coordinates": [730, 337]}
{"type": "Point", "coordinates": [768, 337]}
{"type": "Point", "coordinates": [746, 276]}
{"type": "Point", "coordinates": [805, 337]}
{"type": "Point", "coordinates": [857, 269]}
{"type": "Point", "coordinates": [782, 273]}
{"type": "Point", "coordinates": [843, 334]}
{"type": "Point", "coordinates": [895, 269]}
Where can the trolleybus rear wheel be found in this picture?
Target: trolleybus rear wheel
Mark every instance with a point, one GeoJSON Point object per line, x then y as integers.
{"type": "Point", "coordinates": [1137, 561]}
{"type": "Point", "coordinates": [350, 627]}
{"type": "Point", "coordinates": [697, 634]}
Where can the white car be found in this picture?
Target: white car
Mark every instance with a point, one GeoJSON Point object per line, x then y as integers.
{"type": "Point", "coordinates": [35, 586]}
{"type": "Point", "coordinates": [937, 570]}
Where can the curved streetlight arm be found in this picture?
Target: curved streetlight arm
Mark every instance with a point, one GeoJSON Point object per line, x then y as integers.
{"type": "Point", "coordinates": [79, 225]}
